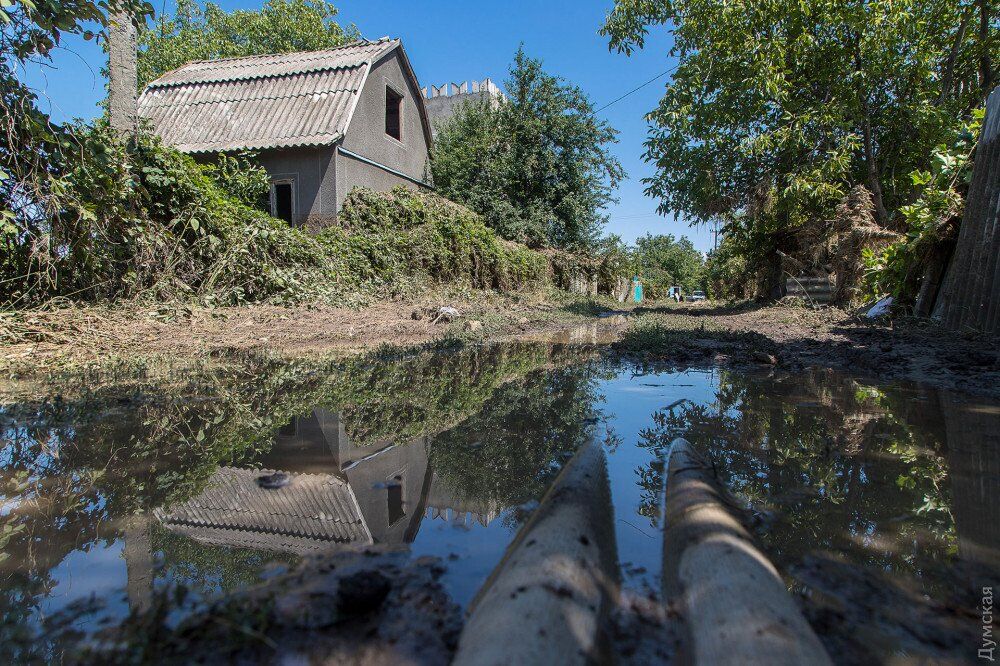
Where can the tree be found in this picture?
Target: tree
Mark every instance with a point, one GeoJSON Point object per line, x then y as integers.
{"type": "Point", "coordinates": [204, 32]}
{"type": "Point", "coordinates": [777, 110]}
{"type": "Point", "coordinates": [33, 149]}
{"type": "Point", "coordinates": [663, 261]}
{"type": "Point", "coordinates": [536, 165]}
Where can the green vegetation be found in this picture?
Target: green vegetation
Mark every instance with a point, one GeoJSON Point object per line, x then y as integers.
{"type": "Point", "coordinates": [138, 220]}
{"type": "Point", "coordinates": [663, 261]}
{"type": "Point", "coordinates": [94, 217]}
{"type": "Point", "coordinates": [389, 238]}
{"type": "Point", "coordinates": [778, 111]}
{"type": "Point", "coordinates": [207, 32]}
{"type": "Point", "coordinates": [536, 165]}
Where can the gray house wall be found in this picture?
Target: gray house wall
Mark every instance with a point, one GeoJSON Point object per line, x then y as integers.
{"type": "Point", "coordinates": [366, 136]}
{"type": "Point", "coordinates": [313, 174]}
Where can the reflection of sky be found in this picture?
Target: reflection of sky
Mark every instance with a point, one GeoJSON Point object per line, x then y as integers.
{"type": "Point", "coordinates": [97, 572]}
{"type": "Point", "coordinates": [478, 550]}
{"type": "Point", "coordinates": [630, 402]}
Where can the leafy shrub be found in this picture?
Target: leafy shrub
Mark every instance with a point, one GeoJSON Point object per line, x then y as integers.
{"type": "Point", "coordinates": [135, 219]}
{"type": "Point", "coordinates": [139, 220]}
{"type": "Point", "coordinates": [388, 236]}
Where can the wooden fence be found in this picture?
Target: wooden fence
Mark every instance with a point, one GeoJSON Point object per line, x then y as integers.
{"type": "Point", "coordinates": [970, 297]}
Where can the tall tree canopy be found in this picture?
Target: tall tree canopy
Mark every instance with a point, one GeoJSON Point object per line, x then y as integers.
{"type": "Point", "coordinates": [778, 109]}
{"type": "Point", "coordinates": [204, 32]}
{"type": "Point", "coordinates": [664, 261]}
{"type": "Point", "coordinates": [536, 165]}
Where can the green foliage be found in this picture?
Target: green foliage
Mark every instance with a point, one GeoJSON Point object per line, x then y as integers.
{"type": "Point", "coordinates": [663, 261]}
{"type": "Point", "coordinates": [933, 216]}
{"type": "Point", "coordinates": [241, 178]}
{"type": "Point", "coordinates": [388, 238]}
{"type": "Point", "coordinates": [777, 110]}
{"type": "Point", "coordinates": [726, 272]}
{"type": "Point", "coordinates": [205, 32]}
{"type": "Point", "coordinates": [33, 149]}
{"type": "Point", "coordinates": [140, 220]}
{"type": "Point", "coordinates": [536, 165]}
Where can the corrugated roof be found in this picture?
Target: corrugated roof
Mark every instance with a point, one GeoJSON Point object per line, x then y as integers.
{"type": "Point", "coordinates": [269, 101]}
{"type": "Point", "coordinates": [233, 509]}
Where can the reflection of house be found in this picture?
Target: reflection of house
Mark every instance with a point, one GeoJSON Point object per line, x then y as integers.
{"type": "Point", "coordinates": [340, 494]}
{"type": "Point", "coordinates": [315, 511]}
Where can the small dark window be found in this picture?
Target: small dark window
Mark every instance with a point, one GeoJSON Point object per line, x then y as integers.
{"type": "Point", "coordinates": [393, 114]}
{"type": "Point", "coordinates": [290, 429]}
{"type": "Point", "coordinates": [283, 201]}
{"type": "Point", "coordinates": [394, 501]}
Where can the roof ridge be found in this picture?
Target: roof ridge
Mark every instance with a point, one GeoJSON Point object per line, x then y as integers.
{"type": "Point", "coordinates": [242, 67]}
{"type": "Point", "coordinates": [357, 42]}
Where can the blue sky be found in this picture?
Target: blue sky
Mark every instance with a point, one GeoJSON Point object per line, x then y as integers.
{"type": "Point", "coordinates": [458, 41]}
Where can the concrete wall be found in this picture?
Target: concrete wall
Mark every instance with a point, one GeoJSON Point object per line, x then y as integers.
{"type": "Point", "coordinates": [366, 135]}
{"type": "Point", "coordinates": [442, 103]}
{"type": "Point", "coordinates": [313, 172]}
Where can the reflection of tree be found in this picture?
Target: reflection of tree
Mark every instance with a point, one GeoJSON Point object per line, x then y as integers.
{"type": "Point", "coordinates": [73, 467]}
{"type": "Point", "coordinates": [833, 460]}
{"type": "Point", "coordinates": [510, 452]}
{"type": "Point", "coordinates": [207, 570]}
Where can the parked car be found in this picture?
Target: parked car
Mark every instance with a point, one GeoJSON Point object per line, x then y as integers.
{"type": "Point", "coordinates": [695, 296]}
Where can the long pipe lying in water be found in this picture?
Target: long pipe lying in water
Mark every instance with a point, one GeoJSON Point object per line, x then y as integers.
{"type": "Point", "coordinates": [548, 600]}
{"type": "Point", "coordinates": [737, 608]}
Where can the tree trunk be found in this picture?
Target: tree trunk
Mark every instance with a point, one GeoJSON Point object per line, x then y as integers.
{"type": "Point", "coordinates": [123, 76]}
{"type": "Point", "coordinates": [948, 78]}
{"type": "Point", "coordinates": [985, 65]}
{"type": "Point", "coordinates": [873, 181]}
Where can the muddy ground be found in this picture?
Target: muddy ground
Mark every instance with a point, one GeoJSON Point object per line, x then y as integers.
{"type": "Point", "coordinates": [787, 335]}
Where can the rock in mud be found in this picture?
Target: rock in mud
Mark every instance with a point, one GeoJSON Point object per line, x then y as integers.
{"type": "Point", "coordinates": [764, 357]}
{"type": "Point", "coordinates": [274, 481]}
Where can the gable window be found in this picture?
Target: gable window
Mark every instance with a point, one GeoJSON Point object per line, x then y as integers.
{"type": "Point", "coordinates": [393, 114]}
{"type": "Point", "coordinates": [282, 200]}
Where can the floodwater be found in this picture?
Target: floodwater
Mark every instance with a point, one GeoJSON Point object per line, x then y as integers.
{"type": "Point", "coordinates": [866, 497]}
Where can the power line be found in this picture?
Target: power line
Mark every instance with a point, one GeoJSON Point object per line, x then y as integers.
{"type": "Point", "coordinates": [637, 89]}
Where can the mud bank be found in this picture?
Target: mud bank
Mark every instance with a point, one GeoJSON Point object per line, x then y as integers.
{"type": "Point", "coordinates": [786, 337]}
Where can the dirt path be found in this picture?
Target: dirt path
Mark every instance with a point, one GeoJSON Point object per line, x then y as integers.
{"type": "Point", "coordinates": [793, 337]}
{"type": "Point", "coordinates": [786, 336]}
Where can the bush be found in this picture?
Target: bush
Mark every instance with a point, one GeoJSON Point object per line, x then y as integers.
{"type": "Point", "coordinates": [135, 219]}
{"type": "Point", "coordinates": [139, 220]}
{"type": "Point", "coordinates": [386, 237]}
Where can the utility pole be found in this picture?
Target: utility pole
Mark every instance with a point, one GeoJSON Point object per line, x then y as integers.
{"type": "Point", "coordinates": [122, 67]}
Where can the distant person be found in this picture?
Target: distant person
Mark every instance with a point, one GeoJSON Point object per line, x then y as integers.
{"type": "Point", "coordinates": [636, 289]}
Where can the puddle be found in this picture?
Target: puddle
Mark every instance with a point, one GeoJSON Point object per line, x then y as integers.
{"type": "Point", "coordinates": [112, 492]}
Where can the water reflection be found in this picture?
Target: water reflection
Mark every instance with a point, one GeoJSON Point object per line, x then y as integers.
{"type": "Point", "coordinates": [165, 473]}
{"type": "Point", "coordinates": [878, 503]}
{"type": "Point", "coordinates": [124, 490]}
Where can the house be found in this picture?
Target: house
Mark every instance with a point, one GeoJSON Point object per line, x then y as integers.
{"type": "Point", "coordinates": [321, 122]}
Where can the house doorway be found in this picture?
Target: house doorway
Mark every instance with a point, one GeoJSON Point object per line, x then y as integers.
{"type": "Point", "coordinates": [282, 200]}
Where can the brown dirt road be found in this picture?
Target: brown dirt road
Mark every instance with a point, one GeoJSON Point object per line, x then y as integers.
{"type": "Point", "coordinates": [786, 336]}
